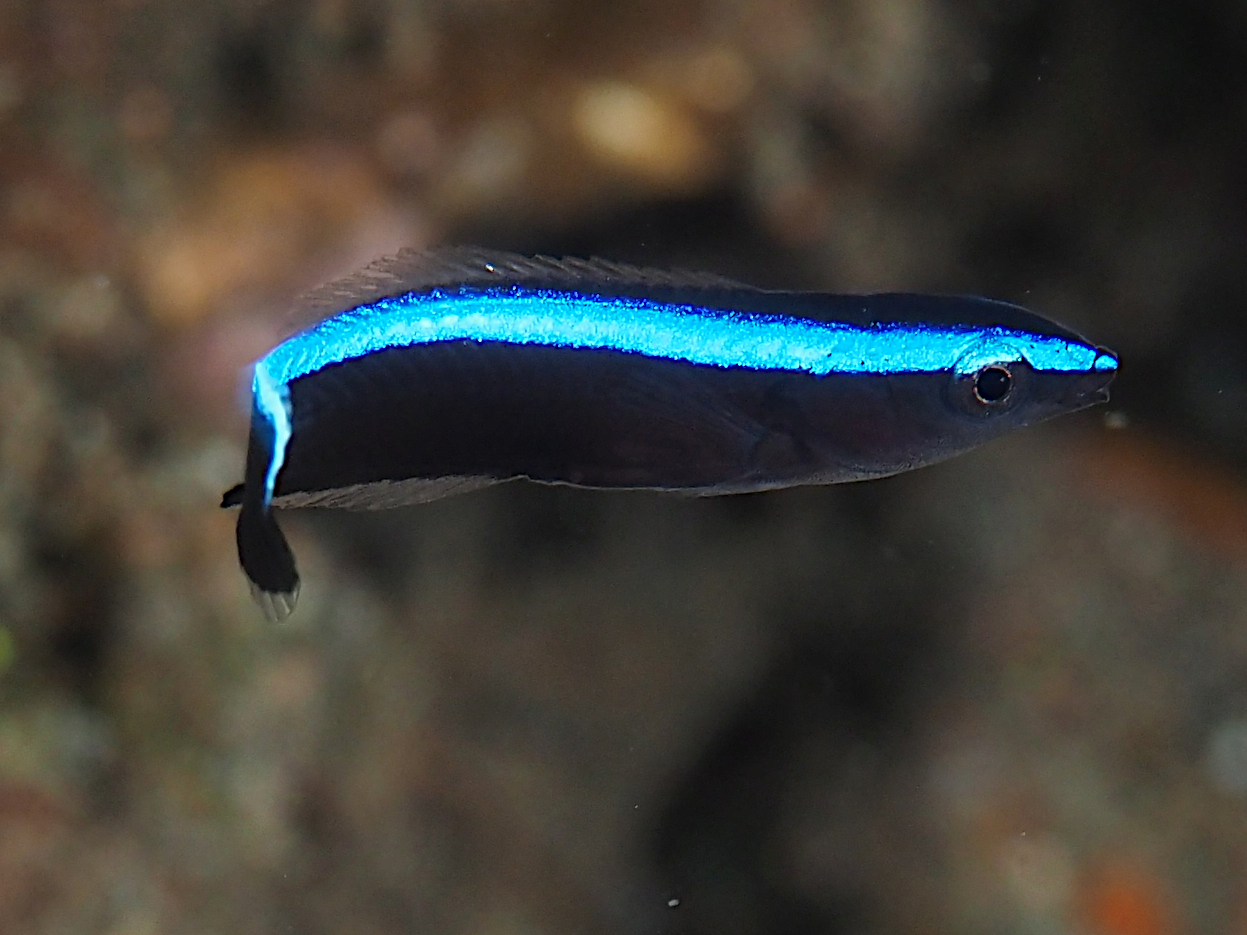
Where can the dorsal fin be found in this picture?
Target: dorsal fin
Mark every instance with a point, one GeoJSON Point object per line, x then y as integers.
{"type": "Point", "coordinates": [424, 270]}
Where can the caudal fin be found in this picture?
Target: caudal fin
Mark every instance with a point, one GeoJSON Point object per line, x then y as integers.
{"type": "Point", "coordinates": [266, 559]}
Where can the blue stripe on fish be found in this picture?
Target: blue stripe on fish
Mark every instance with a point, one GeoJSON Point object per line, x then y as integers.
{"type": "Point", "coordinates": [687, 332]}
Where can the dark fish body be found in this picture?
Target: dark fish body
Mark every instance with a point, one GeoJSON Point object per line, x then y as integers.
{"type": "Point", "coordinates": [446, 371]}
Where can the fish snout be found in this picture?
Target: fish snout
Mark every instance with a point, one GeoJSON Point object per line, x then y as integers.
{"type": "Point", "coordinates": [1092, 387]}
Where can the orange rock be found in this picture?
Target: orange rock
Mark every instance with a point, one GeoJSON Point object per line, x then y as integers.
{"type": "Point", "coordinates": [1125, 900]}
{"type": "Point", "coordinates": [1206, 500]}
{"type": "Point", "coordinates": [646, 134]}
{"type": "Point", "coordinates": [262, 217]}
{"type": "Point", "coordinates": [53, 210]}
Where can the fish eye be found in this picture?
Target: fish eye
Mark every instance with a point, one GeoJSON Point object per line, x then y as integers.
{"type": "Point", "coordinates": [993, 384]}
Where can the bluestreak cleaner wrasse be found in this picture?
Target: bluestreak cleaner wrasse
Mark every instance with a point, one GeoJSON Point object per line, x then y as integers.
{"type": "Point", "coordinates": [438, 372]}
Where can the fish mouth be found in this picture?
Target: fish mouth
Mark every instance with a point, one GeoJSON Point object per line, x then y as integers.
{"type": "Point", "coordinates": [1091, 388]}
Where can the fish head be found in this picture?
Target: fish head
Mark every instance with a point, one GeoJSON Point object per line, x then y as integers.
{"type": "Point", "coordinates": [984, 371]}
{"type": "Point", "coordinates": [1005, 385]}
{"type": "Point", "coordinates": [991, 393]}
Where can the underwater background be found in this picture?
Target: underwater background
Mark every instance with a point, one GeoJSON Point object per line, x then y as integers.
{"type": "Point", "coordinates": [1006, 694]}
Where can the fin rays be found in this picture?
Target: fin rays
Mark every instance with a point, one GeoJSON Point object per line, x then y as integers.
{"type": "Point", "coordinates": [423, 270]}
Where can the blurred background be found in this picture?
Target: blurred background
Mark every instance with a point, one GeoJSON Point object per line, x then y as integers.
{"type": "Point", "coordinates": [1004, 695]}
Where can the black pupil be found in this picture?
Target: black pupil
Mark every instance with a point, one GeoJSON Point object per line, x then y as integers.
{"type": "Point", "coordinates": [993, 384]}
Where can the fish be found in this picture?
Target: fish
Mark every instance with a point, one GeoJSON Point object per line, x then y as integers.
{"type": "Point", "coordinates": [436, 372]}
